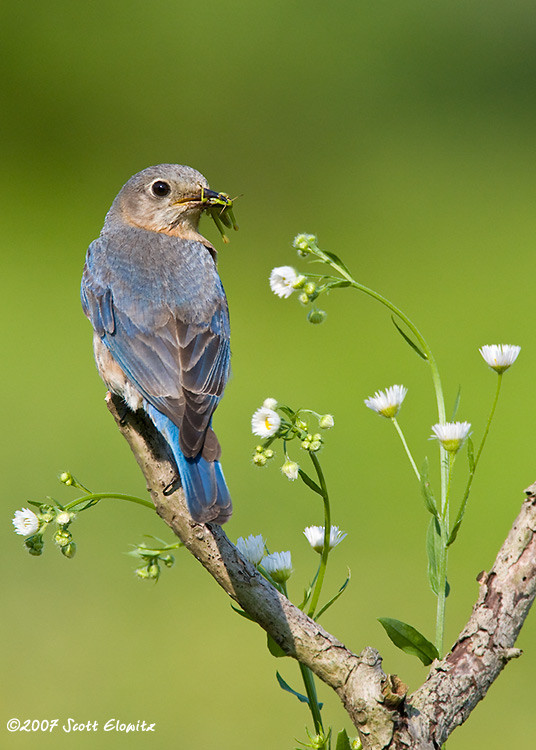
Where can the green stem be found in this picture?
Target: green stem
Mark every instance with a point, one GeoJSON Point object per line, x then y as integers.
{"type": "Point", "coordinates": [463, 504]}
{"type": "Point", "coordinates": [413, 328]}
{"type": "Point", "coordinates": [310, 689]}
{"type": "Point", "coordinates": [406, 448]}
{"type": "Point", "coordinates": [96, 496]}
{"type": "Point", "coordinates": [442, 595]}
{"type": "Point", "coordinates": [491, 414]}
{"type": "Point", "coordinates": [309, 684]}
{"type": "Point", "coordinates": [327, 533]}
{"type": "Point", "coordinates": [436, 379]}
{"type": "Point", "coordinates": [443, 561]}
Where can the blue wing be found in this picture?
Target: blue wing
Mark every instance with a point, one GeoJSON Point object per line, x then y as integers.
{"type": "Point", "coordinates": [169, 334]}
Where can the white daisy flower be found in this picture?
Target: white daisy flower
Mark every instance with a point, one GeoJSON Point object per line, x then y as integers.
{"type": "Point", "coordinates": [25, 522]}
{"type": "Point", "coordinates": [282, 280]}
{"type": "Point", "coordinates": [388, 402]}
{"type": "Point", "coordinates": [270, 403]}
{"type": "Point", "coordinates": [265, 422]}
{"type": "Point", "coordinates": [252, 548]}
{"type": "Point", "coordinates": [315, 537]}
{"type": "Point", "coordinates": [278, 565]}
{"type": "Point", "coordinates": [451, 435]}
{"type": "Point", "coordinates": [500, 356]}
{"type": "Point", "coordinates": [290, 469]}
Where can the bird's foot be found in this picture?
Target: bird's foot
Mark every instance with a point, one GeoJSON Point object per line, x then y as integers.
{"type": "Point", "coordinates": [173, 486]}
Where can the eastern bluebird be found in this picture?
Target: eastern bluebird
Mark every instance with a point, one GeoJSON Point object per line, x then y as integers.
{"type": "Point", "coordinates": [161, 323]}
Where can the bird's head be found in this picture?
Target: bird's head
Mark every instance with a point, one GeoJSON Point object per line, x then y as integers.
{"type": "Point", "coordinates": [168, 198]}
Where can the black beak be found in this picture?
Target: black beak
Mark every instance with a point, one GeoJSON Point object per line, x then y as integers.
{"type": "Point", "coordinates": [216, 198]}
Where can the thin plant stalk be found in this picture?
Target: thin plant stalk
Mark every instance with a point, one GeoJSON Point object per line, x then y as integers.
{"type": "Point", "coordinates": [327, 533]}
{"type": "Point", "coordinates": [96, 496]}
{"type": "Point", "coordinates": [406, 448]}
{"type": "Point", "coordinates": [436, 380]}
{"type": "Point", "coordinates": [310, 687]}
{"type": "Point", "coordinates": [443, 562]}
{"type": "Point", "coordinates": [472, 471]}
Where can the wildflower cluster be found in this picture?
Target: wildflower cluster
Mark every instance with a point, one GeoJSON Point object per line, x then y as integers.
{"type": "Point", "coordinates": [33, 526]}
{"type": "Point", "coordinates": [152, 557]}
{"type": "Point", "coordinates": [284, 280]}
{"type": "Point", "coordinates": [276, 567]}
{"type": "Point", "coordinates": [273, 421]}
{"type": "Point", "coordinates": [450, 435]}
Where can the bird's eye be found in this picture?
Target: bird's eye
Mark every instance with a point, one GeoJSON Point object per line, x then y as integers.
{"type": "Point", "coordinates": [160, 188]}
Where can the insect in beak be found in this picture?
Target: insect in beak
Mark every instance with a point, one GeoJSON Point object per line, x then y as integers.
{"type": "Point", "coordinates": [220, 207]}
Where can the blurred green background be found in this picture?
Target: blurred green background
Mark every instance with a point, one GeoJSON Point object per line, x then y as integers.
{"type": "Point", "coordinates": [403, 134]}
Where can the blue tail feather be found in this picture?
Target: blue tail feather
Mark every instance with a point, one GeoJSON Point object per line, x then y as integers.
{"type": "Point", "coordinates": [203, 482]}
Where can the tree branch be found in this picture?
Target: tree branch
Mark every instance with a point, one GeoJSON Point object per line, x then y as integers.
{"type": "Point", "coordinates": [376, 702]}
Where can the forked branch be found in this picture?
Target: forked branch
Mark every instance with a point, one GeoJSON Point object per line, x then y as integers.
{"type": "Point", "coordinates": [376, 703]}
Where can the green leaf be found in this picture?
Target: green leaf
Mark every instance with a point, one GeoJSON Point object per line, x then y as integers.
{"type": "Point", "coordinates": [471, 455]}
{"type": "Point", "coordinates": [274, 648]}
{"type": "Point", "coordinates": [310, 482]}
{"type": "Point", "coordinates": [433, 549]}
{"type": "Point", "coordinates": [337, 284]}
{"type": "Point", "coordinates": [334, 598]}
{"type": "Point", "coordinates": [79, 507]}
{"type": "Point", "coordinates": [309, 590]}
{"type": "Point", "coordinates": [335, 259]}
{"type": "Point", "coordinates": [428, 495]}
{"type": "Point", "coordinates": [343, 741]}
{"type": "Point", "coordinates": [456, 404]}
{"type": "Point", "coordinates": [39, 505]}
{"type": "Point", "coordinates": [409, 640]}
{"type": "Point", "coordinates": [285, 686]}
{"type": "Point", "coordinates": [454, 532]}
{"type": "Point", "coordinates": [241, 613]}
{"type": "Point", "coordinates": [463, 506]}
{"type": "Point", "coordinates": [408, 340]}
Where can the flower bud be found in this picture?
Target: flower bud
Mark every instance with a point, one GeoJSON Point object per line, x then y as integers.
{"type": "Point", "coordinates": [326, 421]}
{"type": "Point", "coordinates": [268, 453]}
{"type": "Point", "coordinates": [62, 537]}
{"type": "Point", "coordinates": [64, 518]}
{"type": "Point", "coordinates": [316, 316]}
{"type": "Point", "coordinates": [304, 242]}
{"type": "Point", "coordinates": [47, 513]}
{"type": "Point", "coordinates": [304, 298]}
{"type": "Point", "coordinates": [66, 478]}
{"type": "Point", "coordinates": [168, 560]}
{"type": "Point", "coordinates": [142, 573]}
{"type": "Point", "coordinates": [259, 459]}
{"type": "Point", "coordinates": [310, 288]}
{"type": "Point", "coordinates": [290, 469]}
{"type": "Point", "coordinates": [69, 551]}
{"type": "Point", "coordinates": [34, 544]}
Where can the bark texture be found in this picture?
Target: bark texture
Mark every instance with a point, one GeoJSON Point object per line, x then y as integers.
{"type": "Point", "coordinates": [385, 717]}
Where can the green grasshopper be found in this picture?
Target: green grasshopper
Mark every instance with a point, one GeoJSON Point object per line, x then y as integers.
{"type": "Point", "coordinates": [220, 207]}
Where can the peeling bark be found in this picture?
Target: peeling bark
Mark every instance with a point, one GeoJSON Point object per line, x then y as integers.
{"type": "Point", "coordinates": [384, 716]}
